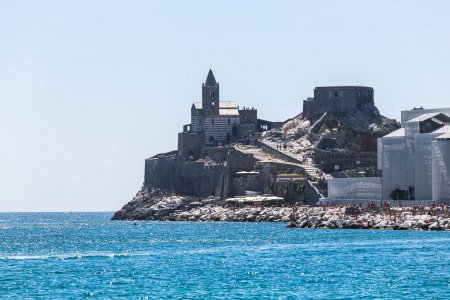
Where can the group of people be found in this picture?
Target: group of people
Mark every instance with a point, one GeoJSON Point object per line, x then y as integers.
{"type": "Point", "coordinates": [435, 208]}
{"type": "Point", "coordinates": [281, 146]}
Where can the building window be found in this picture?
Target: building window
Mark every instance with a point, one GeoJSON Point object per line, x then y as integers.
{"type": "Point", "coordinates": [335, 93]}
{"type": "Point", "coordinates": [212, 121]}
{"type": "Point", "coordinates": [229, 121]}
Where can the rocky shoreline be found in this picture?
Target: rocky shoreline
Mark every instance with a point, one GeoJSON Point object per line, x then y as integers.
{"type": "Point", "coordinates": [423, 218]}
{"type": "Point", "coordinates": [155, 204]}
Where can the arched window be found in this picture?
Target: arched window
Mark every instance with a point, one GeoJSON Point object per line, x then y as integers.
{"type": "Point", "coordinates": [212, 121]}
{"type": "Point", "coordinates": [229, 121]}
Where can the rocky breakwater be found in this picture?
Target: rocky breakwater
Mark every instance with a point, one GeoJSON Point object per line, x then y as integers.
{"type": "Point", "coordinates": [155, 204]}
{"type": "Point", "coordinates": [234, 214]}
{"type": "Point", "coordinates": [354, 218]}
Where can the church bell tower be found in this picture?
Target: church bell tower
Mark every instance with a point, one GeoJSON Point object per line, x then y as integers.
{"type": "Point", "coordinates": [210, 95]}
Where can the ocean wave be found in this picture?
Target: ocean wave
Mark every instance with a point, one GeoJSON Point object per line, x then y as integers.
{"type": "Point", "coordinates": [64, 256]}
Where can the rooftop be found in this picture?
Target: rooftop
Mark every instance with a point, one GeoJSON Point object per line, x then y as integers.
{"type": "Point", "coordinates": [344, 87]}
{"type": "Point", "coordinates": [424, 117]}
{"type": "Point", "coordinates": [228, 112]}
{"type": "Point", "coordinates": [445, 136]}
{"type": "Point", "coordinates": [443, 129]}
{"type": "Point", "coordinates": [210, 79]}
{"type": "Point", "coordinates": [222, 104]}
{"type": "Point", "coordinates": [397, 133]}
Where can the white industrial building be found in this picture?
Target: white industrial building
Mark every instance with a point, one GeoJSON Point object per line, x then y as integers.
{"type": "Point", "coordinates": [406, 156]}
{"type": "Point", "coordinates": [414, 162]}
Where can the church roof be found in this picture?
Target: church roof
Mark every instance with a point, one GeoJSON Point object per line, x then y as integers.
{"type": "Point", "coordinates": [227, 104]}
{"type": "Point", "coordinates": [228, 112]}
{"type": "Point", "coordinates": [222, 105]}
{"type": "Point", "coordinates": [210, 80]}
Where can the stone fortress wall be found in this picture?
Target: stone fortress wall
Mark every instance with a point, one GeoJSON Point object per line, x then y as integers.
{"type": "Point", "coordinates": [337, 100]}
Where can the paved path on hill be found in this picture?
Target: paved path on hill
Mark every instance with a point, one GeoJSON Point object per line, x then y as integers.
{"type": "Point", "coordinates": [308, 165]}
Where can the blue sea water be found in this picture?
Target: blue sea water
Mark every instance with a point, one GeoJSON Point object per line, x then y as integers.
{"type": "Point", "coordinates": [85, 255]}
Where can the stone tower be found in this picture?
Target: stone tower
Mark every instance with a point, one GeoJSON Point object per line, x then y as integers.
{"type": "Point", "coordinates": [210, 95]}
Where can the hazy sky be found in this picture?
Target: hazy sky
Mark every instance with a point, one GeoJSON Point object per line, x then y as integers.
{"type": "Point", "coordinates": [89, 89]}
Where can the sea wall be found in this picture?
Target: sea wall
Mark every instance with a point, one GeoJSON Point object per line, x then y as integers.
{"type": "Point", "coordinates": [327, 160]}
{"type": "Point", "coordinates": [276, 153]}
{"type": "Point", "coordinates": [196, 178]}
{"type": "Point", "coordinates": [295, 191]}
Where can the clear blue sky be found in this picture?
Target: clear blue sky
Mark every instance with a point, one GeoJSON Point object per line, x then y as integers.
{"type": "Point", "coordinates": [89, 89]}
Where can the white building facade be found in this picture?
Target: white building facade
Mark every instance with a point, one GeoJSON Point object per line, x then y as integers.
{"type": "Point", "coordinates": [414, 159]}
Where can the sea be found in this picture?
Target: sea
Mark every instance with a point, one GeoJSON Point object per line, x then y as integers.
{"type": "Point", "coordinates": [86, 255]}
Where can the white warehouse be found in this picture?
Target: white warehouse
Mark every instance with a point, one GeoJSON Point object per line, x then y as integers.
{"type": "Point", "coordinates": [415, 160]}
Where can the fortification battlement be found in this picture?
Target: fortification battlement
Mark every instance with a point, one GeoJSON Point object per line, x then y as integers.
{"type": "Point", "coordinates": [337, 100]}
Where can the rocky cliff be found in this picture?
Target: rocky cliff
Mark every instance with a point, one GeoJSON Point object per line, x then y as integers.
{"type": "Point", "coordinates": [333, 140]}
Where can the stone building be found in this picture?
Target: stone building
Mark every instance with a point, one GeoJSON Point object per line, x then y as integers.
{"type": "Point", "coordinates": [215, 122]}
{"type": "Point", "coordinates": [338, 100]}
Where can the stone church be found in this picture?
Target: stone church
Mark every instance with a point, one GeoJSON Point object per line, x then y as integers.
{"type": "Point", "coordinates": [215, 122]}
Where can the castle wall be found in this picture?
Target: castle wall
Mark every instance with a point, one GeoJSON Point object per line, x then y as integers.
{"type": "Point", "coordinates": [263, 125]}
{"type": "Point", "coordinates": [241, 185]}
{"type": "Point", "coordinates": [190, 144]}
{"type": "Point", "coordinates": [249, 116]}
{"type": "Point", "coordinates": [197, 120]}
{"type": "Point", "coordinates": [298, 191]}
{"type": "Point", "coordinates": [327, 160]}
{"type": "Point", "coordinates": [337, 100]}
{"type": "Point", "coordinates": [186, 177]}
{"type": "Point", "coordinates": [238, 161]}
{"type": "Point", "coordinates": [245, 131]}
{"type": "Point", "coordinates": [218, 154]}
{"type": "Point", "coordinates": [159, 172]}
{"type": "Point", "coordinates": [276, 153]}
